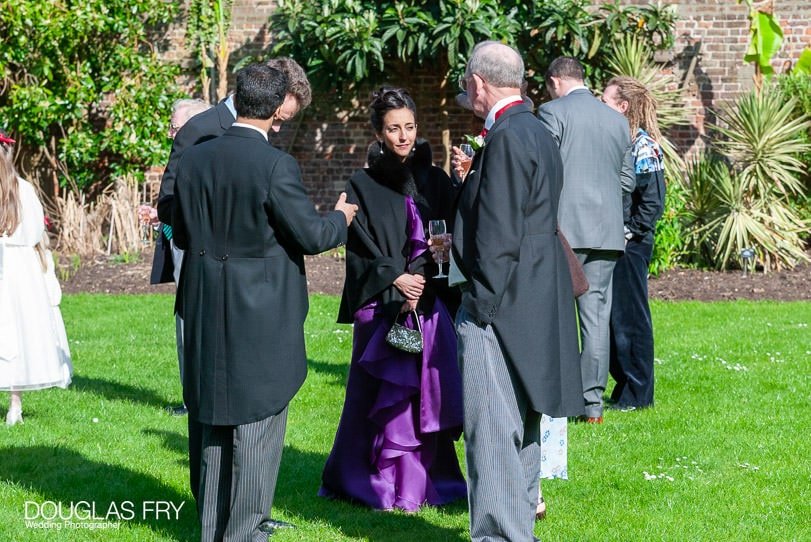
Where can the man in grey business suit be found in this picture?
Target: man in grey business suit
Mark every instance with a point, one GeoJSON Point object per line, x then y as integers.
{"type": "Point", "coordinates": [516, 325]}
{"type": "Point", "coordinates": [595, 146]}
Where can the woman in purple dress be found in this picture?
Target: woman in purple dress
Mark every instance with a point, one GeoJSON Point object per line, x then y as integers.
{"type": "Point", "coordinates": [394, 445]}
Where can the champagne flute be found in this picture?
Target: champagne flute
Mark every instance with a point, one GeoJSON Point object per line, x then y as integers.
{"type": "Point", "coordinates": [437, 230]}
{"type": "Point", "coordinates": [143, 221]}
{"type": "Point", "coordinates": [467, 148]}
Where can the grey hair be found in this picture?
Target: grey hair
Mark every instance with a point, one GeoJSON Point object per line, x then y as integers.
{"type": "Point", "coordinates": [497, 63]}
{"type": "Point", "coordinates": [191, 106]}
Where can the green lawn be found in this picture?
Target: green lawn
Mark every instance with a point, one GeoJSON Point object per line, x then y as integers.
{"type": "Point", "coordinates": [724, 455]}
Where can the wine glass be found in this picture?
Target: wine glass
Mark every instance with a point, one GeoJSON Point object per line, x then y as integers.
{"type": "Point", "coordinates": [437, 230]}
{"type": "Point", "coordinates": [144, 223]}
{"type": "Point", "coordinates": [466, 148]}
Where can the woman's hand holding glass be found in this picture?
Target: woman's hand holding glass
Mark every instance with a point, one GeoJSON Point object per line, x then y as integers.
{"type": "Point", "coordinates": [148, 219]}
{"type": "Point", "coordinates": [148, 215]}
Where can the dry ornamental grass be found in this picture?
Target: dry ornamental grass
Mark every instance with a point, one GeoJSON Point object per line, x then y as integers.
{"type": "Point", "coordinates": [108, 225]}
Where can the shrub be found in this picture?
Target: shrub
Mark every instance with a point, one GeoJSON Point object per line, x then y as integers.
{"type": "Point", "coordinates": [670, 244]}
{"type": "Point", "coordinates": [82, 88]}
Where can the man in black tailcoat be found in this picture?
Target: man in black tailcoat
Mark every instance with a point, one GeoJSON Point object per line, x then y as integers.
{"type": "Point", "coordinates": [242, 215]}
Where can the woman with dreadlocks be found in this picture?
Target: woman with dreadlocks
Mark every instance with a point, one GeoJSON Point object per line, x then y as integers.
{"type": "Point", "coordinates": [631, 357]}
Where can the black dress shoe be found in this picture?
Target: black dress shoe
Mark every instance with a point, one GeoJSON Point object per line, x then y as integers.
{"type": "Point", "coordinates": [177, 410]}
{"type": "Point", "coordinates": [271, 525]}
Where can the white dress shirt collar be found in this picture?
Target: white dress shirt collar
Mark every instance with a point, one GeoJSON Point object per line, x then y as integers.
{"type": "Point", "coordinates": [491, 116]}
{"type": "Point", "coordinates": [252, 127]}
{"type": "Point", "coordinates": [229, 103]}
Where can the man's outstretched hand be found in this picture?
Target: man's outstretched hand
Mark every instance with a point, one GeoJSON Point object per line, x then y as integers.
{"type": "Point", "coordinates": [348, 209]}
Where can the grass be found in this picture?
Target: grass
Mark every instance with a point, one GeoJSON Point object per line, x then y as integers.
{"type": "Point", "coordinates": [724, 455]}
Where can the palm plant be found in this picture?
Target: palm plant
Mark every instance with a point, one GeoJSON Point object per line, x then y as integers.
{"type": "Point", "coordinates": [746, 201]}
{"type": "Point", "coordinates": [738, 221]}
{"type": "Point", "coordinates": [633, 58]}
{"type": "Point", "coordinates": [764, 141]}
{"type": "Point", "coordinates": [207, 32]}
{"type": "Point", "coordinates": [700, 207]}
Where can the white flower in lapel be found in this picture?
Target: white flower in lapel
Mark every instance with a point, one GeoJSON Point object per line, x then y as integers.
{"type": "Point", "coordinates": [476, 142]}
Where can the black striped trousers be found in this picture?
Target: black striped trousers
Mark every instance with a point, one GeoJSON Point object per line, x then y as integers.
{"type": "Point", "coordinates": [239, 466]}
{"type": "Point", "coordinates": [502, 439]}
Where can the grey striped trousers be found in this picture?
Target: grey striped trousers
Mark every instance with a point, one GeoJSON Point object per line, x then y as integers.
{"type": "Point", "coordinates": [502, 440]}
{"type": "Point", "coordinates": [238, 470]}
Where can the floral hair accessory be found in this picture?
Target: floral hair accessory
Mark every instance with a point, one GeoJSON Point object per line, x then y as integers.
{"type": "Point", "coordinates": [477, 142]}
{"type": "Point", "coordinates": [6, 140]}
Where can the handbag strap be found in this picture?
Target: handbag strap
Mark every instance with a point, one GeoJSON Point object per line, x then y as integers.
{"type": "Point", "coordinates": [416, 319]}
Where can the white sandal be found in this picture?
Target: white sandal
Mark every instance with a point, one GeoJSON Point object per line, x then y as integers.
{"type": "Point", "coordinates": [14, 416]}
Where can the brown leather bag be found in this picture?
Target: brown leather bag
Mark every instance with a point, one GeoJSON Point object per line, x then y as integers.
{"type": "Point", "coordinates": [580, 283]}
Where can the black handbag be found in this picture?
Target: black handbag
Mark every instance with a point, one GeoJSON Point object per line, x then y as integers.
{"type": "Point", "coordinates": [405, 339]}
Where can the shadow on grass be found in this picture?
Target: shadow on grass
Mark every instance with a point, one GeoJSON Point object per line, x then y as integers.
{"type": "Point", "coordinates": [63, 475]}
{"type": "Point", "coordinates": [116, 391]}
{"type": "Point", "coordinates": [335, 372]}
{"type": "Point", "coordinates": [296, 495]}
{"type": "Point", "coordinates": [175, 442]}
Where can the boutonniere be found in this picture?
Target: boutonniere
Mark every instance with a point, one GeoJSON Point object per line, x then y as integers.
{"type": "Point", "coordinates": [477, 142]}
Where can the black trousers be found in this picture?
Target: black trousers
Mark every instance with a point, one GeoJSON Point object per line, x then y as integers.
{"type": "Point", "coordinates": [631, 360]}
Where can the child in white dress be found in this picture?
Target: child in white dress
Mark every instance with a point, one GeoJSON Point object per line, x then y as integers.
{"type": "Point", "coordinates": [33, 347]}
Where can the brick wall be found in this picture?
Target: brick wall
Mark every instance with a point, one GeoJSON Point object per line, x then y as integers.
{"type": "Point", "coordinates": [717, 32]}
{"type": "Point", "coordinates": [329, 140]}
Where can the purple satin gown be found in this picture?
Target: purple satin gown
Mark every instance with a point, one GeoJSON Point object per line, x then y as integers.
{"type": "Point", "coordinates": [402, 412]}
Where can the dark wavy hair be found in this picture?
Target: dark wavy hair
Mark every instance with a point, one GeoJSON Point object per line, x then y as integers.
{"type": "Point", "coordinates": [298, 84]}
{"type": "Point", "coordinates": [260, 91]}
{"type": "Point", "coordinates": [387, 99]}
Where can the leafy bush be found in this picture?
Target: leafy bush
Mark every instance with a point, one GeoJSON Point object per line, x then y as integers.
{"type": "Point", "coordinates": [343, 42]}
{"type": "Point", "coordinates": [700, 208]}
{"type": "Point", "coordinates": [82, 88]}
{"type": "Point", "coordinates": [670, 243]}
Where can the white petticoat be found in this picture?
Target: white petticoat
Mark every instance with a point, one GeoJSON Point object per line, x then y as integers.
{"type": "Point", "coordinates": [554, 448]}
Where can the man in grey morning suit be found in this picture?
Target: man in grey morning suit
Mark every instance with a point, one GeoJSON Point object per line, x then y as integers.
{"type": "Point", "coordinates": [243, 217]}
{"type": "Point", "coordinates": [516, 325]}
{"type": "Point", "coordinates": [595, 146]}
